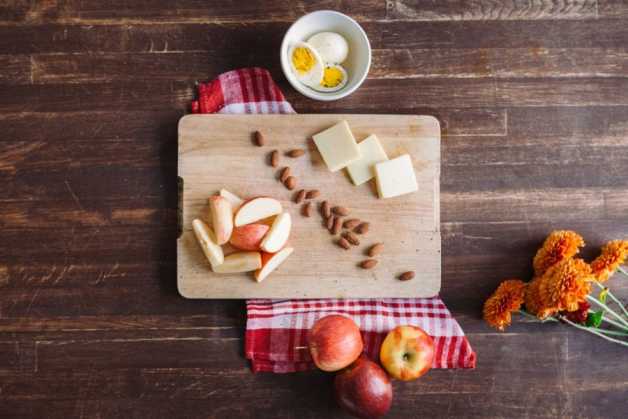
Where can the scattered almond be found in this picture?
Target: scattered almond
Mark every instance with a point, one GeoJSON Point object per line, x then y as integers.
{"type": "Point", "coordinates": [330, 222]}
{"type": "Point", "coordinates": [342, 242]}
{"type": "Point", "coordinates": [337, 225]}
{"type": "Point", "coordinates": [406, 276]}
{"type": "Point", "coordinates": [314, 193]}
{"type": "Point", "coordinates": [285, 174]}
{"type": "Point", "coordinates": [291, 182]}
{"type": "Point", "coordinates": [351, 223]}
{"type": "Point", "coordinates": [376, 249]}
{"type": "Point", "coordinates": [340, 211]}
{"type": "Point", "coordinates": [368, 264]}
{"type": "Point", "coordinates": [300, 196]}
{"type": "Point", "coordinates": [352, 238]}
{"type": "Point", "coordinates": [363, 228]}
{"type": "Point", "coordinates": [297, 152]}
{"type": "Point", "coordinates": [259, 139]}
{"type": "Point", "coordinates": [325, 210]}
{"type": "Point", "coordinates": [307, 209]}
{"type": "Point", "coordinates": [274, 158]}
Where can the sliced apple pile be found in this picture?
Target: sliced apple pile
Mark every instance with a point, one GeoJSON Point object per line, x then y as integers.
{"type": "Point", "coordinates": [257, 228]}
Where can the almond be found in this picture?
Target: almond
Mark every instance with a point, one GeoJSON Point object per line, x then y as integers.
{"type": "Point", "coordinates": [335, 229]}
{"type": "Point", "coordinates": [297, 152]}
{"type": "Point", "coordinates": [291, 182]}
{"type": "Point", "coordinates": [351, 223]}
{"type": "Point", "coordinates": [342, 242]}
{"type": "Point", "coordinates": [342, 211]}
{"type": "Point", "coordinates": [363, 228]}
{"type": "Point", "coordinates": [314, 193]}
{"type": "Point", "coordinates": [307, 209]}
{"type": "Point", "coordinates": [406, 276]}
{"type": "Point", "coordinates": [259, 139]}
{"type": "Point", "coordinates": [368, 264]}
{"type": "Point", "coordinates": [285, 173]}
{"type": "Point", "coordinates": [325, 210]}
{"type": "Point", "coordinates": [376, 249]}
{"type": "Point", "coordinates": [300, 196]}
{"type": "Point", "coordinates": [330, 222]}
{"type": "Point", "coordinates": [274, 158]}
{"type": "Point", "coordinates": [352, 238]}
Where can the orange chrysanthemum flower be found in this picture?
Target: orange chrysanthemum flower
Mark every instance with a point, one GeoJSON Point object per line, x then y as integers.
{"type": "Point", "coordinates": [559, 245]}
{"type": "Point", "coordinates": [508, 297]}
{"type": "Point", "coordinates": [613, 255]}
{"type": "Point", "coordinates": [564, 286]}
{"type": "Point", "coordinates": [532, 297]}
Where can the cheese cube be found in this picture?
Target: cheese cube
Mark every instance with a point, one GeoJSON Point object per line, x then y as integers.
{"type": "Point", "coordinates": [395, 177]}
{"type": "Point", "coordinates": [337, 146]}
{"type": "Point", "coordinates": [372, 152]}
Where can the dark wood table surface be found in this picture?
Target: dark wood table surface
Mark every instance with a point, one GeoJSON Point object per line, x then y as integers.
{"type": "Point", "coordinates": [533, 100]}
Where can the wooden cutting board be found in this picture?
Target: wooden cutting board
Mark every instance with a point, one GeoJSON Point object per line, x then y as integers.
{"type": "Point", "coordinates": [216, 151]}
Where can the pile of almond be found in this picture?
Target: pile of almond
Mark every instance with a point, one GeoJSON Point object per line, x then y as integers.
{"type": "Point", "coordinates": [333, 221]}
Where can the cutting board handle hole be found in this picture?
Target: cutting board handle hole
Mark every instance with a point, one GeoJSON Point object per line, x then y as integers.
{"type": "Point", "coordinates": [179, 206]}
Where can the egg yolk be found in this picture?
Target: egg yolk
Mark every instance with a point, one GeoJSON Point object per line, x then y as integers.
{"type": "Point", "coordinates": [332, 77]}
{"type": "Point", "coordinates": [303, 60]}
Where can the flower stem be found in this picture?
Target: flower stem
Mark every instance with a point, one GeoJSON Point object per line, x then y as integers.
{"type": "Point", "coordinates": [590, 330]}
{"type": "Point", "coordinates": [610, 332]}
{"type": "Point", "coordinates": [611, 312]}
{"type": "Point", "coordinates": [612, 297]}
{"type": "Point", "coordinates": [533, 317]}
{"type": "Point", "coordinates": [614, 323]}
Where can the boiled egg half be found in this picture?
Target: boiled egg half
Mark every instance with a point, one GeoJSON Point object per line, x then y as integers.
{"type": "Point", "coordinates": [306, 64]}
{"type": "Point", "coordinates": [334, 78]}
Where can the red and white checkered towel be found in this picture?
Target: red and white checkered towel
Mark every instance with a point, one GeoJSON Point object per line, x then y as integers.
{"type": "Point", "coordinates": [276, 330]}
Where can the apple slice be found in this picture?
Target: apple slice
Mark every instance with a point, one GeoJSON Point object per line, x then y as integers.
{"type": "Point", "coordinates": [248, 237]}
{"type": "Point", "coordinates": [278, 234]}
{"type": "Point", "coordinates": [271, 261]}
{"type": "Point", "coordinates": [257, 209]}
{"type": "Point", "coordinates": [233, 199]}
{"type": "Point", "coordinates": [239, 262]}
{"type": "Point", "coordinates": [221, 215]}
{"type": "Point", "coordinates": [207, 240]}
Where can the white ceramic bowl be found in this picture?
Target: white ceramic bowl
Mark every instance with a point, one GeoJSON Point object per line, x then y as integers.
{"type": "Point", "coordinates": [357, 63]}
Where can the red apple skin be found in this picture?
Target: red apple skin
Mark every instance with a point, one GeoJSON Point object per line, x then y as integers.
{"type": "Point", "coordinates": [249, 236]}
{"type": "Point", "coordinates": [363, 389]}
{"type": "Point", "coordinates": [334, 342]}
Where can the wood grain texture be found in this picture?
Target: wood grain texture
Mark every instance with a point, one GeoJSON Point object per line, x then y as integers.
{"type": "Point", "coordinates": [531, 97]}
{"type": "Point", "coordinates": [418, 10]}
{"type": "Point", "coordinates": [94, 12]}
{"type": "Point", "coordinates": [317, 268]}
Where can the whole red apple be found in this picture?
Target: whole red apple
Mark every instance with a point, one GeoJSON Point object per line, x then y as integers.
{"type": "Point", "coordinates": [334, 342]}
{"type": "Point", "coordinates": [363, 389]}
{"type": "Point", "coordinates": [407, 352]}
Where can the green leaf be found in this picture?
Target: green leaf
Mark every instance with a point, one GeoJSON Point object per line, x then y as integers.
{"type": "Point", "coordinates": [595, 319]}
{"type": "Point", "coordinates": [603, 294]}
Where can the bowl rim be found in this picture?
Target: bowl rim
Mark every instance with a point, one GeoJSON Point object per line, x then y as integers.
{"type": "Point", "coordinates": [309, 92]}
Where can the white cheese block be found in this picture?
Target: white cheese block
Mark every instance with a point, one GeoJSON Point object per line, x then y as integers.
{"type": "Point", "coordinates": [372, 153]}
{"type": "Point", "coordinates": [395, 177]}
{"type": "Point", "coordinates": [337, 146]}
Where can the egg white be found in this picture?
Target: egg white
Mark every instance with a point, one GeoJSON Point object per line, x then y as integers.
{"type": "Point", "coordinates": [314, 76]}
{"type": "Point", "coordinates": [332, 47]}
